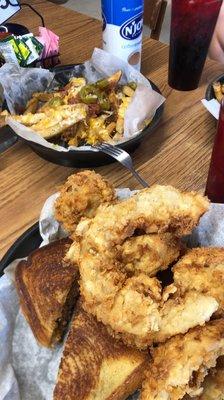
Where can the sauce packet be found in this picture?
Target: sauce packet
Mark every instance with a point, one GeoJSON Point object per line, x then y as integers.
{"type": "Point", "coordinates": [11, 41]}
{"type": "Point", "coordinates": [7, 53]}
{"type": "Point", "coordinates": [36, 48]}
{"type": "Point", "coordinates": [21, 50]}
{"type": "Point", "coordinates": [24, 51]}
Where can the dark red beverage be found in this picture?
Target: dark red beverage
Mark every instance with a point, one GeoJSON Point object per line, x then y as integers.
{"type": "Point", "coordinates": [192, 26]}
{"type": "Point", "coordinates": [215, 182]}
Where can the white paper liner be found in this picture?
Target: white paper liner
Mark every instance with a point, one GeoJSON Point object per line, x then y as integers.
{"type": "Point", "coordinates": [213, 106]}
{"type": "Point", "coordinates": [27, 370]}
{"type": "Point", "coordinates": [20, 83]}
{"type": "Point", "coordinates": [142, 108]}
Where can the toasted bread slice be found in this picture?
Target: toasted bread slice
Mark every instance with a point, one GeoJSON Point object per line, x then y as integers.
{"type": "Point", "coordinates": [96, 367]}
{"type": "Point", "coordinates": [47, 289]}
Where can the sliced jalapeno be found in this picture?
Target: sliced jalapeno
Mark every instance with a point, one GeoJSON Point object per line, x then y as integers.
{"type": "Point", "coordinates": [102, 84]}
{"type": "Point", "coordinates": [132, 85]}
{"type": "Point", "coordinates": [56, 101]}
{"type": "Point", "coordinates": [88, 94]}
{"type": "Point", "coordinates": [104, 103]}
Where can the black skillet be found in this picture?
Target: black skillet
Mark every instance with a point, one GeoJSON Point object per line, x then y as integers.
{"type": "Point", "coordinates": [85, 158]}
{"type": "Point", "coordinates": [22, 247]}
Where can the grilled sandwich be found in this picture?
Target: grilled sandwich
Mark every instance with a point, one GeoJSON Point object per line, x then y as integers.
{"type": "Point", "coordinates": [47, 289]}
{"type": "Point", "coordinates": [96, 367]}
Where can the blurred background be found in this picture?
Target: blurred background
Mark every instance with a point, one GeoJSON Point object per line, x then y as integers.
{"type": "Point", "coordinates": [93, 9]}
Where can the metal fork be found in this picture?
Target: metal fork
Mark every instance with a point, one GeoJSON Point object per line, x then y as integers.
{"type": "Point", "coordinates": [122, 157]}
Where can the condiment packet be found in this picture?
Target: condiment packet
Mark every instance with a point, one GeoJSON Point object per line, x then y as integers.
{"type": "Point", "coordinates": [50, 41]}
{"type": "Point", "coordinates": [10, 40]}
{"type": "Point", "coordinates": [26, 49]}
{"type": "Point", "coordinates": [36, 48]}
{"type": "Point", "coordinates": [33, 52]}
{"type": "Point", "coordinates": [8, 53]}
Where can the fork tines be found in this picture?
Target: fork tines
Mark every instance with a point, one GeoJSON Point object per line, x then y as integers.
{"type": "Point", "coordinates": [109, 148]}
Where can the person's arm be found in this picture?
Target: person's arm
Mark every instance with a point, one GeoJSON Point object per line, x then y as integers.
{"type": "Point", "coordinates": [216, 51]}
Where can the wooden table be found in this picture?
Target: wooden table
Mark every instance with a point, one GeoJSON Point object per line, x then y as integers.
{"type": "Point", "coordinates": [177, 153]}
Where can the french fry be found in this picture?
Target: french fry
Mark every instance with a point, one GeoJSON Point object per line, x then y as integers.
{"type": "Point", "coordinates": [111, 127]}
{"type": "Point", "coordinates": [114, 101]}
{"type": "Point", "coordinates": [70, 133]}
{"type": "Point", "coordinates": [114, 79]}
{"type": "Point", "coordinates": [31, 106]}
{"type": "Point", "coordinates": [117, 137]}
{"type": "Point", "coordinates": [54, 121]}
{"type": "Point", "coordinates": [120, 125]}
{"type": "Point", "coordinates": [29, 119]}
{"type": "Point", "coordinates": [73, 141]}
{"type": "Point", "coordinates": [128, 91]}
{"type": "Point", "coordinates": [74, 83]}
{"type": "Point", "coordinates": [44, 96]}
{"type": "Point", "coordinates": [3, 115]}
{"type": "Point", "coordinates": [54, 102]}
{"type": "Point", "coordinates": [218, 91]}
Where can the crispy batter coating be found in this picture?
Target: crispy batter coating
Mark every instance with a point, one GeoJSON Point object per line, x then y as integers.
{"type": "Point", "coordinates": [80, 196]}
{"type": "Point", "coordinates": [149, 315]}
{"type": "Point", "coordinates": [214, 384]}
{"type": "Point", "coordinates": [180, 365]}
{"type": "Point", "coordinates": [157, 209]}
{"type": "Point", "coordinates": [136, 307]}
{"type": "Point", "coordinates": [202, 269]}
{"type": "Point", "coordinates": [149, 253]}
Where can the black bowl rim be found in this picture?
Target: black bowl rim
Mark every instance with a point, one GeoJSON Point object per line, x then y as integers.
{"type": "Point", "coordinates": [209, 95]}
{"type": "Point", "coordinates": [138, 137]}
{"type": "Point", "coordinates": [19, 245]}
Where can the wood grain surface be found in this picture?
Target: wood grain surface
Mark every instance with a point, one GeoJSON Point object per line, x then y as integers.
{"type": "Point", "coordinates": [177, 153]}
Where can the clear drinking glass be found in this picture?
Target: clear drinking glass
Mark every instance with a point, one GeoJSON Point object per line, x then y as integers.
{"type": "Point", "coordinates": [192, 26]}
{"type": "Point", "coordinates": [215, 182]}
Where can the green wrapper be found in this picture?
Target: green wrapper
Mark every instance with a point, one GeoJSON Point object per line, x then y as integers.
{"type": "Point", "coordinates": [38, 46]}
{"type": "Point", "coordinates": [12, 41]}
{"type": "Point", "coordinates": [24, 50]}
{"type": "Point", "coordinates": [34, 45]}
{"type": "Point", "coordinates": [33, 53]}
{"type": "Point", "coordinates": [7, 53]}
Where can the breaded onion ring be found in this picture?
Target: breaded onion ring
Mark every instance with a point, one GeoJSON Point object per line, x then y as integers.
{"type": "Point", "coordinates": [80, 196]}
